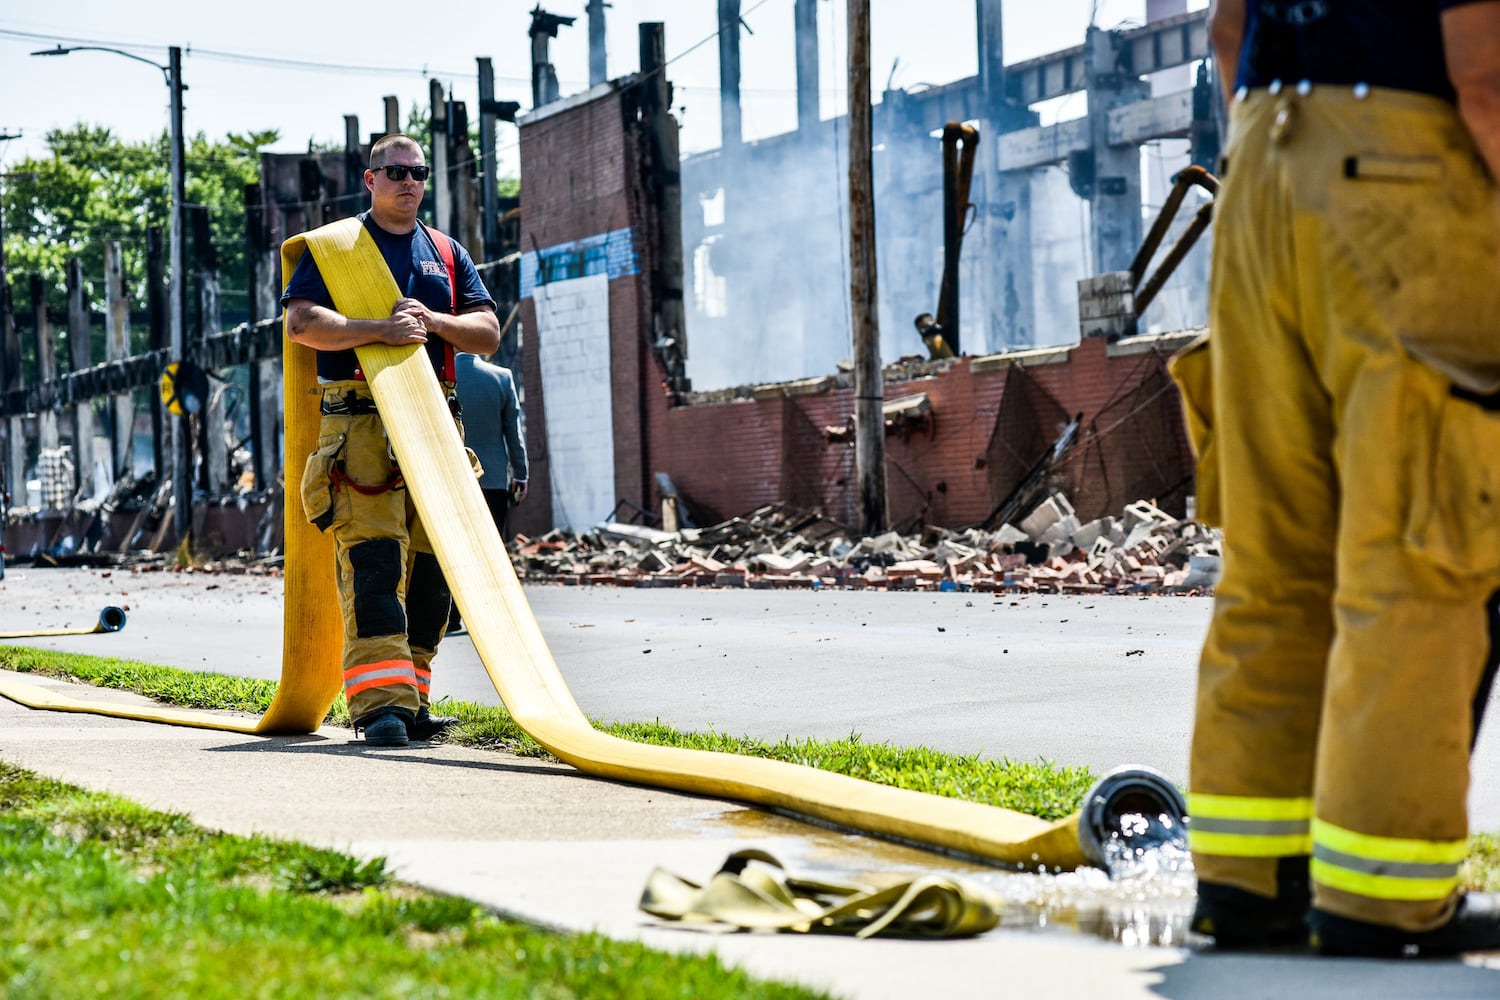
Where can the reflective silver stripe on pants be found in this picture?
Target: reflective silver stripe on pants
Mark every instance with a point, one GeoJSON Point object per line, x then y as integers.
{"type": "Point", "coordinates": [1393, 869]}
{"type": "Point", "coordinates": [1252, 827]}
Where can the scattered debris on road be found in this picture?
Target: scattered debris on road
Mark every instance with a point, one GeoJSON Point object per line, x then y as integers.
{"type": "Point", "coordinates": [1144, 550]}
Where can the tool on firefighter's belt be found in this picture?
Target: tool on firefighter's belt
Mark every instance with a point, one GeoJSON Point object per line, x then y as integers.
{"type": "Point", "coordinates": [111, 619]}
{"type": "Point", "coordinates": [752, 891]}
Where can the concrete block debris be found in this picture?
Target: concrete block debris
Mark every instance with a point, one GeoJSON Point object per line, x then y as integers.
{"type": "Point", "coordinates": [1143, 512]}
{"type": "Point", "coordinates": [1088, 534]}
{"type": "Point", "coordinates": [1051, 511]}
{"type": "Point", "coordinates": [1142, 550]}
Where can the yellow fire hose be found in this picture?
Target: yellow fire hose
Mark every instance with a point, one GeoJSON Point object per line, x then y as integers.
{"type": "Point", "coordinates": [111, 619]}
{"type": "Point", "coordinates": [510, 642]}
{"type": "Point", "coordinates": [751, 891]}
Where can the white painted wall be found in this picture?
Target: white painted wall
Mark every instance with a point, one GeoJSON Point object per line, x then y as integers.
{"type": "Point", "coordinates": [572, 319]}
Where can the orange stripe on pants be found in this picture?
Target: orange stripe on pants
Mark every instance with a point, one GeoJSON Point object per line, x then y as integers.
{"type": "Point", "coordinates": [387, 673]}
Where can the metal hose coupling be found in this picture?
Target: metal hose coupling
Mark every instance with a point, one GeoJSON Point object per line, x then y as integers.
{"type": "Point", "coordinates": [1129, 805]}
{"type": "Point", "coordinates": [111, 619]}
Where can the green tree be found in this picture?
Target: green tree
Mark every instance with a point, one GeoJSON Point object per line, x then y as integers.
{"type": "Point", "coordinates": [94, 187]}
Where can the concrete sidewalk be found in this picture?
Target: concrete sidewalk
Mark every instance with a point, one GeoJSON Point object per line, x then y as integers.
{"type": "Point", "coordinates": [541, 842]}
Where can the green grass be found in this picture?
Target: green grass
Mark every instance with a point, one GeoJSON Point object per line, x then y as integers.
{"type": "Point", "coordinates": [1482, 869]}
{"type": "Point", "coordinates": [1038, 789]}
{"type": "Point", "coordinates": [165, 684]}
{"type": "Point", "coordinates": [100, 896]}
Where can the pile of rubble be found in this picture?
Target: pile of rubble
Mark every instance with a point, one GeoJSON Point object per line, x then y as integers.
{"type": "Point", "coordinates": [1143, 550]}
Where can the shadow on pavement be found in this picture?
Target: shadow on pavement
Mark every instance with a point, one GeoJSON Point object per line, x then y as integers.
{"type": "Point", "coordinates": [406, 755]}
{"type": "Point", "coordinates": [1244, 977]}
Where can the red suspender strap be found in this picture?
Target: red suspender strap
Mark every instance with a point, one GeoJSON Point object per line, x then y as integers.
{"type": "Point", "coordinates": [444, 245]}
{"type": "Point", "coordinates": [445, 250]}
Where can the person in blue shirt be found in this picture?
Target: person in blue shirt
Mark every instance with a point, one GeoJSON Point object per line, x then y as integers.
{"type": "Point", "coordinates": [1355, 422]}
{"type": "Point", "coordinates": [487, 393]}
{"type": "Point", "coordinates": [394, 598]}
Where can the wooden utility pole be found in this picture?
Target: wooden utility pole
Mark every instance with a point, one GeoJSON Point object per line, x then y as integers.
{"type": "Point", "coordinates": [81, 353]}
{"type": "Point", "coordinates": [464, 195]}
{"type": "Point", "coordinates": [869, 391]}
{"type": "Point", "coordinates": [182, 348]}
{"type": "Point", "coordinates": [489, 192]}
{"type": "Point", "coordinates": [210, 417]}
{"type": "Point", "coordinates": [666, 157]}
{"type": "Point", "coordinates": [46, 362]}
{"type": "Point", "coordinates": [442, 184]}
{"type": "Point", "coordinates": [354, 167]}
{"type": "Point", "coordinates": [156, 310]}
{"type": "Point", "coordinates": [13, 475]}
{"type": "Point", "coordinates": [117, 348]}
{"type": "Point", "coordinates": [265, 374]}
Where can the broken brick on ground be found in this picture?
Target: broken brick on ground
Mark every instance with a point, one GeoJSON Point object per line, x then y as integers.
{"type": "Point", "coordinates": [1144, 549]}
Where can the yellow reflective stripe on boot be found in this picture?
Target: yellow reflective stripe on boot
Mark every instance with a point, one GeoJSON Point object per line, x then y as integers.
{"type": "Point", "coordinates": [1385, 867]}
{"type": "Point", "coordinates": [1242, 827]}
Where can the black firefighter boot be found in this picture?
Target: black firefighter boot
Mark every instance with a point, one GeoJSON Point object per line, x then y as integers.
{"type": "Point", "coordinates": [386, 727]}
{"type": "Point", "coordinates": [427, 726]}
{"type": "Point", "coordinates": [1238, 920]}
{"type": "Point", "coordinates": [1474, 926]}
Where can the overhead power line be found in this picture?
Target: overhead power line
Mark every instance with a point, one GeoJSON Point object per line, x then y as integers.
{"type": "Point", "coordinates": [312, 65]}
{"type": "Point", "coordinates": [248, 57]}
{"type": "Point", "coordinates": [319, 66]}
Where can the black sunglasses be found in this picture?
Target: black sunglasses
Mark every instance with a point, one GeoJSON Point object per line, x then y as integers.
{"type": "Point", "coordinates": [398, 172]}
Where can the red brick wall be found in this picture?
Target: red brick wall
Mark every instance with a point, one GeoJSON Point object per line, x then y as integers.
{"type": "Point", "coordinates": [574, 183]}
{"type": "Point", "coordinates": [725, 459]}
{"type": "Point", "coordinates": [583, 178]}
{"type": "Point", "coordinates": [574, 188]}
{"type": "Point", "coordinates": [584, 175]}
{"type": "Point", "coordinates": [730, 458]}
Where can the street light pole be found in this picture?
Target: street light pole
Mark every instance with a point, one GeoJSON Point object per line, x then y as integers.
{"type": "Point", "coordinates": [182, 441]}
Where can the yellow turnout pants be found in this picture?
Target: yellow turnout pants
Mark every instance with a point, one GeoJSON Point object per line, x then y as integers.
{"type": "Point", "coordinates": [394, 598]}
{"type": "Point", "coordinates": [1355, 429]}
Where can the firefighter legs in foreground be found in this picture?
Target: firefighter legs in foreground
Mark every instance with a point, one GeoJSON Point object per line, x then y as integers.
{"type": "Point", "coordinates": [1356, 415]}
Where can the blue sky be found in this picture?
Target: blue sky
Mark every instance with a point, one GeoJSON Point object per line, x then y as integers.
{"type": "Point", "coordinates": [389, 47]}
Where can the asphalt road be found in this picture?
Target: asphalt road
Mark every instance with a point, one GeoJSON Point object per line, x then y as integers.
{"type": "Point", "coordinates": [1099, 681]}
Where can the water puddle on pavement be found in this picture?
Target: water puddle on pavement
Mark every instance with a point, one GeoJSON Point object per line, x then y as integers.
{"type": "Point", "coordinates": [1147, 902]}
{"type": "Point", "coordinates": [1146, 898]}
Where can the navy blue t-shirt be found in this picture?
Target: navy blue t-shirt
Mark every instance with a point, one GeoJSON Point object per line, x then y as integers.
{"type": "Point", "coordinates": [420, 274]}
{"type": "Point", "coordinates": [1384, 43]}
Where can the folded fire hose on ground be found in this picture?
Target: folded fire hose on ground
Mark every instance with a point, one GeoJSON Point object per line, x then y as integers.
{"type": "Point", "coordinates": [752, 892]}
{"type": "Point", "coordinates": [111, 619]}
{"type": "Point", "coordinates": [510, 642]}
